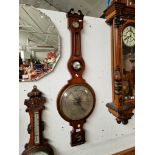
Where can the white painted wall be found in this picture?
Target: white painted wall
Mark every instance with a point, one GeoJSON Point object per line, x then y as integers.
{"type": "Point", "coordinates": [104, 136]}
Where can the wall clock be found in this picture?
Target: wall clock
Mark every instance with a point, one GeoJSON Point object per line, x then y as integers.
{"type": "Point", "coordinates": [76, 100]}
{"type": "Point", "coordinates": [37, 144]}
{"type": "Point", "coordinates": [120, 15]}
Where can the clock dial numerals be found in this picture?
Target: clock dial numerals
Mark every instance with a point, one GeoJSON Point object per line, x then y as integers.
{"type": "Point", "coordinates": [36, 127]}
{"type": "Point", "coordinates": [129, 36]}
{"type": "Point", "coordinates": [76, 102]}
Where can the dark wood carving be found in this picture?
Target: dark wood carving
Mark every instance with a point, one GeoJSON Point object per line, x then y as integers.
{"type": "Point", "coordinates": [35, 105]}
{"type": "Point", "coordinates": [119, 15]}
{"type": "Point", "coordinates": [75, 25]}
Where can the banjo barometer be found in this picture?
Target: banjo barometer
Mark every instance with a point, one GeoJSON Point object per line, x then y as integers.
{"type": "Point", "coordinates": [76, 100]}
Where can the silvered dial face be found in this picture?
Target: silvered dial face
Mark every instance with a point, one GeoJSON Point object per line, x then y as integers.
{"type": "Point", "coordinates": [129, 36]}
{"type": "Point", "coordinates": [75, 24]}
{"type": "Point", "coordinates": [76, 102]}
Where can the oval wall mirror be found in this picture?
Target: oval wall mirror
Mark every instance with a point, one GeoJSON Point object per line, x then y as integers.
{"type": "Point", "coordinates": [39, 44]}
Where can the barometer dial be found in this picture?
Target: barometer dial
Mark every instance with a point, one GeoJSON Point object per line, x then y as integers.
{"type": "Point", "coordinates": [76, 102]}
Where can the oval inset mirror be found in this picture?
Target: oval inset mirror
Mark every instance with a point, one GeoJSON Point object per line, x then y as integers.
{"type": "Point", "coordinates": [39, 44]}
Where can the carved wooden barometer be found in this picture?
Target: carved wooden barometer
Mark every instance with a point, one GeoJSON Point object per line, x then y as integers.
{"type": "Point", "coordinates": [120, 15]}
{"type": "Point", "coordinates": [37, 144]}
{"type": "Point", "coordinates": [76, 100]}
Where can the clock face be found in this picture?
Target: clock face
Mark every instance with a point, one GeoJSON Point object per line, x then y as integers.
{"type": "Point", "coordinates": [76, 102]}
{"type": "Point", "coordinates": [129, 36]}
{"type": "Point", "coordinates": [75, 24]}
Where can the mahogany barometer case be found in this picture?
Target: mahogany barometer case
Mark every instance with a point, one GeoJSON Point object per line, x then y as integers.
{"type": "Point", "coordinates": [76, 100]}
{"type": "Point", "coordinates": [120, 15]}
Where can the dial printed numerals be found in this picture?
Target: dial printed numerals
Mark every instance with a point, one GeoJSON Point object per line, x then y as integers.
{"type": "Point", "coordinates": [129, 36]}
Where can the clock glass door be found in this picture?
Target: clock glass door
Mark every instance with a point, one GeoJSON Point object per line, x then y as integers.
{"type": "Point", "coordinates": [128, 37]}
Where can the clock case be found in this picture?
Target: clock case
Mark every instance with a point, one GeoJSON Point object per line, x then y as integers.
{"type": "Point", "coordinates": [78, 132]}
{"type": "Point", "coordinates": [120, 14]}
{"type": "Point", "coordinates": [35, 103]}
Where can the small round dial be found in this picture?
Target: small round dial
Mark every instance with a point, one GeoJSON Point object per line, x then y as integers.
{"type": "Point", "coordinates": [76, 102]}
{"type": "Point", "coordinates": [76, 65]}
{"type": "Point", "coordinates": [129, 36]}
{"type": "Point", "coordinates": [75, 24]}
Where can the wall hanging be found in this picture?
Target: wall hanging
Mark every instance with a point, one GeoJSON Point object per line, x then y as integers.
{"type": "Point", "coordinates": [37, 143]}
{"type": "Point", "coordinates": [39, 44]}
{"type": "Point", "coordinates": [76, 100]}
{"type": "Point", "coordinates": [120, 15]}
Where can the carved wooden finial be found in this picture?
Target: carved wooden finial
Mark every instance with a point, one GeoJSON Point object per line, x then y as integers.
{"type": "Point", "coordinates": [36, 100]}
{"type": "Point", "coordinates": [72, 13]}
{"type": "Point", "coordinates": [35, 92]}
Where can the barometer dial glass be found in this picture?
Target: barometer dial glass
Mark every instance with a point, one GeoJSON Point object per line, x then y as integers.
{"type": "Point", "coordinates": [77, 102]}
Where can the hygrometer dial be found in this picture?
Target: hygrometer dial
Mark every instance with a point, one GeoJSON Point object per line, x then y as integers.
{"type": "Point", "coordinates": [77, 65]}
